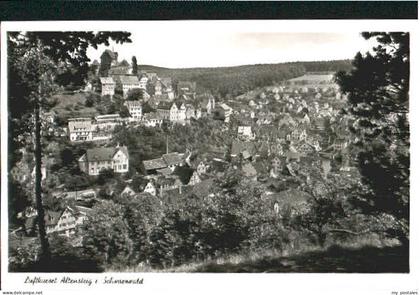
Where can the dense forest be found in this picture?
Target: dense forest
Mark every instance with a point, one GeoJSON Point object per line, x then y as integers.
{"type": "Point", "coordinates": [233, 81]}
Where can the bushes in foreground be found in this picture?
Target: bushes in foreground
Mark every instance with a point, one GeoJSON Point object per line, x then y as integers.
{"type": "Point", "coordinates": [234, 219]}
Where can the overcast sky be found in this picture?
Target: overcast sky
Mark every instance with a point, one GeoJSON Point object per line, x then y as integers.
{"type": "Point", "coordinates": [183, 48]}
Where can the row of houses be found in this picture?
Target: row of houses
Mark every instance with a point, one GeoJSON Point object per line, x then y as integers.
{"type": "Point", "coordinates": [86, 129]}
{"type": "Point", "coordinates": [179, 111]}
{"type": "Point", "coordinates": [121, 74]}
{"type": "Point", "coordinates": [127, 82]}
{"type": "Point", "coordinates": [152, 85]}
{"type": "Point", "coordinates": [164, 183]}
{"type": "Point", "coordinates": [162, 176]}
{"type": "Point", "coordinates": [101, 127]}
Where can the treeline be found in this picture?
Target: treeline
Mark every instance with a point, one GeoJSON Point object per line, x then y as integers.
{"type": "Point", "coordinates": [232, 81]}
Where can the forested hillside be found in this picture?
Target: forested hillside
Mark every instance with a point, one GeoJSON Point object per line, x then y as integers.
{"type": "Point", "coordinates": [233, 81]}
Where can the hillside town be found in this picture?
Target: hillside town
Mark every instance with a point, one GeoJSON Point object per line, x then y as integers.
{"type": "Point", "coordinates": [271, 133]}
{"type": "Point", "coordinates": [116, 165]}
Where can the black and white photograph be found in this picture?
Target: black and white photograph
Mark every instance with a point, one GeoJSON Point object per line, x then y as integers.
{"type": "Point", "coordinates": [185, 147]}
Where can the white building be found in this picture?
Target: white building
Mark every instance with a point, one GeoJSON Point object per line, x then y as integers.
{"type": "Point", "coordinates": [195, 178]}
{"type": "Point", "coordinates": [143, 81]}
{"type": "Point", "coordinates": [104, 125]}
{"type": "Point", "coordinates": [104, 121]}
{"type": "Point", "coordinates": [150, 188]}
{"type": "Point", "coordinates": [128, 191]}
{"type": "Point", "coordinates": [97, 159]}
{"type": "Point", "coordinates": [71, 218]}
{"type": "Point", "coordinates": [201, 168]}
{"type": "Point", "coordinates": [178, 112]}
{"type": "Point", "coordinates": [227, 111]}
{"type": "Point", "coordinates": [135, 109]}
{"type": "Point", "coordinates": [108, 86]}
{"type": "Point", "coordinates": [245, 133]}
{"type": "Point", "coordinates": [152, 120]}
{"type": "Point", "coordinates": [80, 129]}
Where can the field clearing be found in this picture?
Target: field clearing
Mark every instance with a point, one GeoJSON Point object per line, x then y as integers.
{"type": "Point", "coordinates": [67, 103]}
{"type": "Point", "coordinates": [311, 78]}
{"type": "Point", "coordinates": [65, 99]}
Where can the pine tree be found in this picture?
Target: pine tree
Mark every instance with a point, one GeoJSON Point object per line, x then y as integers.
{"type": "Point", "coordinates": [134, 65]}
{"type": "Point", "coordinates": [378, 95]}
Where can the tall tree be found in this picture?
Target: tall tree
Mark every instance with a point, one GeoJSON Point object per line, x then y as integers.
{"type": "Point", "coordinates": [134, 65]}
{"type": "Point", "coordinates": [34, 62]}
{"type": "Point", "coordinates": [35, 71]}
{"type": "Point", "coordinates": [105, 65]}
{"type": "Point", "coordinates": [106, 235]}
{"type": "Point", "coordinates": [377, 88]}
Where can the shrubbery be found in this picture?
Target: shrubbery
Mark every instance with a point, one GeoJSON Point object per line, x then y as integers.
{"type": "Point", "coordinates": [133, 230]}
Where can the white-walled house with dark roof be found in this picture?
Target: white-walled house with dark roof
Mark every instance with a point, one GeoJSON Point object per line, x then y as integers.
{"type": "Point", "coordinates": [97, 159]}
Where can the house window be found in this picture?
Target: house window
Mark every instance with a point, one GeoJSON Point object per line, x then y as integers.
{"type": "Point", "coordinates": [125, 166]}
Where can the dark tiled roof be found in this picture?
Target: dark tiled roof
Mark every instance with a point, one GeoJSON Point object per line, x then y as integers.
{"type": "Point", "coordinates": [79, 210]}
{"type": "Point", "coordinates": [179, 103]}
{"type": "Point", "coordinates": [167, 82]}
{"type": "Point", "coordinates": [162, 97]}
{"type": "Point", "coordinates": [152, 116]}
{"type": "Point", "coordinates": [133, 103]}
{"type": "Point", "coordinates": [107, 80]}
{"type": "Point", "coordinates": [239, 146]}
{"type": "Point", "coordinates": [154, 164]}
{"type": "Point", "coordinates": [248, 170]}
{"type": "Point", "coordinates": [164, 171]}
{"type": "Point", "coordinates": [80, 125]}
{"type": "Point", "coordinates": [129, 80]}
{"type": "Point", "coordinates": [52, 217]}
{"type": "Point", "coordinates": [123, 149]}
{"type": "Point", "coordinates": [119, 70]}
{"type": "Point", "coordinates": [151, 75]}
{"type": "Point", "coordinates": [164, 105]}
{"type": "Point", "coordinates": [169, 180]}
{"type": "Point", "coordinates": [293, 155]}
{"type": "Point", "coordinates": [172, 159]}
{"type": "Point", "coordinates": [100, 154]}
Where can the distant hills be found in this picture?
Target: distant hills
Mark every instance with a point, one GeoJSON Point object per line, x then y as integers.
{"type": "Point", "coordinates": [310, 66]}
{"type": "Point", "coordinates": [236, 80]}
